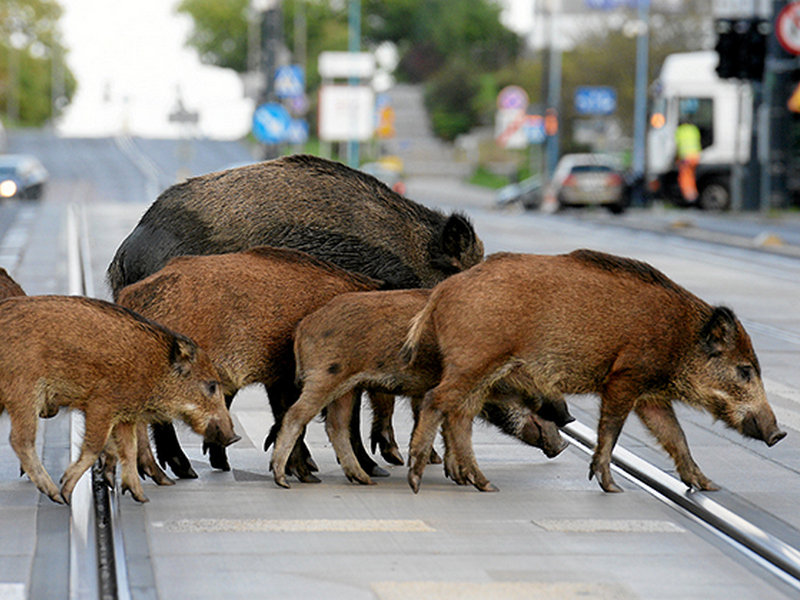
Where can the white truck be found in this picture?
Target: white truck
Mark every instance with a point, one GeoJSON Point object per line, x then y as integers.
{"type": "Point", "coordinates": [688, 86]}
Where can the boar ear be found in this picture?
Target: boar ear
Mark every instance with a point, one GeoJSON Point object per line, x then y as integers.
{"type": "Point", "coordinates": [457, 236]}
{"type": "Point", "coordinates": [719, 331]}
{"type": "Point", "coordinates": [182, 355]}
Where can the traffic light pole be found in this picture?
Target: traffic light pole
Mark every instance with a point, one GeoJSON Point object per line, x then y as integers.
{"type": "Point", "coordinates": [774, 143]}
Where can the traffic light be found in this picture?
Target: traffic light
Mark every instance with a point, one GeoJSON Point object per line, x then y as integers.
{"type": "Point", "coordinates": [742, 48]}
{"type": "Point", "coordinates": [727, 48]}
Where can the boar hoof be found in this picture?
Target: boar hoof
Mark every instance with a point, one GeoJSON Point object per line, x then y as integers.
{"type": "Point", "coordinates": [605, 480]}
{"type": "Point", "coordinates": [136, 495]}
{"type": "Point", "coordinates": [182, 468]}
{"type": "Point", "coordinates": [487, 486]}
{"type": "Point", "coordinates": [217, 457]}
{"type": "Point", "coordinates": [307, 478]}
{"type": "Point", "coordinates": [376, 471]}
{"type": "Point", "coordinates": [280, 480]}
{"type": "Point", "coordinates": [414, 481]}
{"type": "Point", "coordinates": [392, 456]}
{"type": "Point", "coordinates": [435, 459]}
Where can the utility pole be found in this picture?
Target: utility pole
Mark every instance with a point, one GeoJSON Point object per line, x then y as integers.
{"type": "Point", "coordinates": [354, 46]}
{"type": "Point", "coordinates": [640, 98]}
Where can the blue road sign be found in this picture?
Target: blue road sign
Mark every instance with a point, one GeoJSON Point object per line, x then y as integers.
{"type": "Point", "coordinates": [289, 81]}
{"type": "Point", "coordinates": [298, 132]}
{"type": "Point", "coordinates": [271, 123]}
{"type": "Point", "coordinates": [595, 100]}
{"type": "Point", "coordinates": [534, 129]}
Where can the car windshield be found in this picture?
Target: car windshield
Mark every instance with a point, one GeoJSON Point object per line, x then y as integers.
{"type": "Point", "coordinates": [591, 169]}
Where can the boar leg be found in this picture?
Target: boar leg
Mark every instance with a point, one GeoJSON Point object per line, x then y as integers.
{"type": "Point", "coordinates": [338, 421]}
{"type": "Point", "coordinates": [145, 459]}
{"type": "Point", "coordinates": [364, 459]}
{"type": "Point", "coordinates": [615, 405]}
{"type": "Point", "coordinates": [416, 404]}
{"type": "Point", "coordinates": [293, 425]}
{"type": "Point", "coordinates": [661, 421]}
{"type": "Point", "coordinates": [98, 430]}
{"type": "Point", "coordinates": [124, 435]}
{"type": "Point", "coordinates": [282, 395]}
{"type": "Point", "coordinates": [382, 434]}
{"type": "Point", "coordinates": [459, 463]}
{"type": "Point", "coordinates": [23, 441]}
{"type": "Point", "coordinates": [169, 451]}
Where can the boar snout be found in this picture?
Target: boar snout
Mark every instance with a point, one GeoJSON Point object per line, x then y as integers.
{"type": "Point", "coordinates": [768, 433]}
{"type": "Point", "coordinates": [556, 411]}
{"type": "Point", "coordinates": [543, 434]}
{"type": "Point", "coordinates": [220, 433]}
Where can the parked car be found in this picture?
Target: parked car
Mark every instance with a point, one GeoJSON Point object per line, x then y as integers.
{"type": "Point", "coordinates": [21, 176]}
{"type": "Point", "coordinates": [528, 192]}
{"type": "Point", "coordinates": [589, 179]}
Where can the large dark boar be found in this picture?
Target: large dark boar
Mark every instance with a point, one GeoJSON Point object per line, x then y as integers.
{"type": "Point", "coordinates": [352, 344]}
{"type": "Point", "coordinates": [586, 322]}
{"type": "Point", "coordinates": [242, 308]}
{"type": "Point", "coordinates": [307, 203]}
{"type": "Point", "coordinates": [116, 367]}
{"type": "Point", "coordinates": [8, 287]}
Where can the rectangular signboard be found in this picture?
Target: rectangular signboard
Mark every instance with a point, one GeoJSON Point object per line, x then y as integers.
{"type": "Point", "coordinates": [346, 113]}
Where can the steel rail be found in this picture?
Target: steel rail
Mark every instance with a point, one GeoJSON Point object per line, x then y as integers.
{"type": "Point", "coordinates": [773, 552]}
{"type": "Point", "coordinates": [99, 549]}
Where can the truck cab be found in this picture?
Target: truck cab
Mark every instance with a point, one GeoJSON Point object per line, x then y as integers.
{"type": "Point", "coordinates": [688, 87]}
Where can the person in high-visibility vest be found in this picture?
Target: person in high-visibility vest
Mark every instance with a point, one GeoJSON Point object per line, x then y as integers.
{"type": "Point", "coordinates": [687, 142]}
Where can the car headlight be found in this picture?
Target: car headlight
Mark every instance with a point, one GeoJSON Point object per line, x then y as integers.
{"type": "Point", "coordinates": [8, 188]}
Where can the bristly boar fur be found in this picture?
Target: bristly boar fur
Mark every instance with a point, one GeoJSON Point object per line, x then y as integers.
{"type": "Point", "coordinates": [353, 344]}
{"type": "Point", "coordinates": [116, 367]}
{"type": "Point", "coordinates": [306, 203]}
{"type": "Point", "coordinates": [586, 322]}
{"type": "Point", "coordinates": [8, 287]}
{"type": "Point", "coordinates": [242, 308]}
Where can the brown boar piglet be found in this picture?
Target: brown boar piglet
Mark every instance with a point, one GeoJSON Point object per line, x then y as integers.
{"type": "Point", "coordinates": [352, 344]}
{"type": "Point", "coordinates": [111, 364]}
{"type": "Point", "coordinates": [242, 308]}
{"type": "Point", "coordinates": [586, 322]}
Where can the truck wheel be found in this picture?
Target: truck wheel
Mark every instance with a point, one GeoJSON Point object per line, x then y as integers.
{"type": "Point", "coordinates": [714, 196]}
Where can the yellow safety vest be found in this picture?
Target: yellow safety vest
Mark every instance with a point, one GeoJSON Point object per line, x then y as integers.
{"type": "Point", "coordinates": [687, 140]}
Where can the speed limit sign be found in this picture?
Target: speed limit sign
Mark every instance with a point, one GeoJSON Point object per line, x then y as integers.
{"type": "Point", "coordinates": [787, 28]}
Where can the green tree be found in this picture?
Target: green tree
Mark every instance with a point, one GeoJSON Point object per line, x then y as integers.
{"type": "Point", "coordinates": [435, 40]}
{"type": "Point", "coordinates": [220, 33]}
{"type": "Point", "coordinates": [30, 46]}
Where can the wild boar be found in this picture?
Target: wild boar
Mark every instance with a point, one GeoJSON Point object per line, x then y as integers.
{"type": "Point", "coordinates": [586, 322]}
{"type": "Point", "coordinates": [353, 343]}
{"type": "Point", "coordinates": [8, 287]}
{"type": "Point", "coordinates": [242, 308]}
{"type": "Point", "coordinates": [306, 203]}
{"type": "Point", "coordinates": [116, 367]}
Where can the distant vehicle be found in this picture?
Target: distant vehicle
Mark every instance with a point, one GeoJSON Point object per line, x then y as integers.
{"type": "Point", "coordinates": [391, 177]}
{"type": "Point", "coordinates": [528, 192]}
{"type": "Point", "coordinates": [589, 180]}
{"type": "Point", "coordinates": [21, 176]}
{"type": "Point", "coordinates": [688, 86]}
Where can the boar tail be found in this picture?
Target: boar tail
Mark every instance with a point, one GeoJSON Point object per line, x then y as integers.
{"type": "Point", "coordinates": [417, 326]}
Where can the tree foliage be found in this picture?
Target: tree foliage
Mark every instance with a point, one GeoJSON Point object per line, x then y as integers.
{"type": "Point", "coordinates": [29, 41]}
{"type": "Point", "coordinates": [435, 39]}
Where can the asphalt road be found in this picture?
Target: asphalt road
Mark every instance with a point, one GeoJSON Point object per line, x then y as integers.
{"type": "Point", "coordinates": [549, 532]}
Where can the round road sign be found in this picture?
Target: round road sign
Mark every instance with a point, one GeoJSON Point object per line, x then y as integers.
{"type": "Point", "coordinates": [787, 28]}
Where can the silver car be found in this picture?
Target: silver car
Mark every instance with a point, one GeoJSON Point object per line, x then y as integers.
{"type": "Point", "coordinates": [21, 176]}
